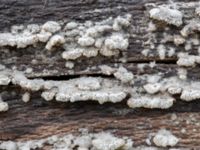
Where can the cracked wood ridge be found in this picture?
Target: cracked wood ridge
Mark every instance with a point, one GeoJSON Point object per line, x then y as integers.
{"type": "Point", "coordinates": [126, 67]}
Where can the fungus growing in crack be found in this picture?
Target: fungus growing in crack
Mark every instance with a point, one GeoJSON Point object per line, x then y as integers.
{"type": "Point", "coordinates": [165, 138]}
{"type": "Point", "coordinates": [55, 40]}
{"type": "Point", "coordinates": [123, 75]}
{"type": "Point", "coordinates": [162, 101]}
{"type": "Point", "coordinates": [168, 15]}
{"type": "Point", "coordinates": [51, 26]}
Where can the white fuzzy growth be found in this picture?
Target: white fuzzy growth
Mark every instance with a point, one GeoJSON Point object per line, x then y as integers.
{"type": "Point", "coordinates": [186, 60]}
{"type": "Point", "coordinates": [3, 106]}
{"type": "Point", "coordinates": [48, 95]}
{"type": "Point", "coordinates": [174, 90]}
{"type": "Point", "coordinates": [120, 22]}
{"type": "Point", "coordinates": [152, 88]}
{"type": "Point", "coordinates": [55, 40]}
{"type": "Point", "coordinates": [171, 52]}
{"type": "Point", "coordinates": [99, 42]}
{"type": "Point", "coordinates": [182, 73]}
{"type": "Point", "coordinates": [21, 40]}
{"type": "Point", "coordinates": [145, 52]}
{"type": "Point", "coordinates": [117, 41]}
{"type": "Point", "coordinates": [108, 52]}
{"type": "Point", "coordinates": [20, 79]}
{"type": "Point", "coordinates": [44, 36]}
{"type": "Point", "coordinates": [26, 97]}
{"type": "Point", "coordinates": [86, 41]}
{"type": "Point", "coordinates": [5, 78]}
{"type": "Point", "coordinates": [151, 101]}
{"type": "Point", "coordinates": [8, 145]}
{"type": "Point", "coordinates": [51, 26]}
{"type": "Point", "coordinates": [151, 27]}
{"type": "Point", "coordinates": [74, 90]}
{"type": "Point", "coordinates": [106, 141]}
{"type": "Point", "coordinates": [165, 138]}
{"type": "Point", "coordinates": [72, 54]}
{"type": "Point", "coordinates": [168, 15]}
{"type": "Point", "coordinates": [71, 25]}
{"type": "Point", "coordinates": [178, 40]}
{"type": "Point", "coordinates": [89, 83]}
{"type": "Point", "coordinates": [190, 28]}
{"type": "Point", "coordinates": [84, 141]}
{"type": "Point", "coordinates": [90, 52]}
{"type": "Point", "coordinates": [190, 94]}
{"type": "Point", "coordinates": [124, 75]}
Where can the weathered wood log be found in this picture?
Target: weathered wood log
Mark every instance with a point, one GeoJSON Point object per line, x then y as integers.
{"type": "Point", "coordinates": [40, 119]}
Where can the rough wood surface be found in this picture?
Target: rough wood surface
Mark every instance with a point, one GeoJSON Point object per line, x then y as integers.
{"type": "Point", "coordinates": [39, 119]}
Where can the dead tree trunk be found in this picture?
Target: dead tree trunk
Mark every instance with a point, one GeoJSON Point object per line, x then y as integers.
{"type": "Point", "coordinates": [156, 46]}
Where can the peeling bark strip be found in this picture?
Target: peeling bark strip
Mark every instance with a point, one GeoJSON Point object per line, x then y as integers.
{"type": "Point", "coordinates": [135, 53]}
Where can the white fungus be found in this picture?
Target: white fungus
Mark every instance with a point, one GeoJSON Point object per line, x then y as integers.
{"type": "Point", "coordinates": [168, 15]}
{"type": "Point", "coordinates": [190, 28]}
{"type": "Point", "coordinates": [151, 101]}
{"type": "Point", "coordinates": [107, 70]}
{"type": "Point", "coordinates": [51, 26]}
{"type": "Point", "coordinates": [117, 41]}
{"type": "Point", "coordinates": [123, 75]}
{"type": "Point", "coordinates": [3, 105]}
{"type": "Point", "coordinates": [83, 141]}
{"type": "Point", "coordinates": [161, 51]}
{"type": "Point", "coordinates": [152, 88]}
{"type": "Point", "coordinates": [86, 41]}
{"type": "Point", "coordinates": [165, 138]}
{"type": "Point", "coordinates": [26, 97]}
{"type": "Point", "coordinates": [55, 40]}
{"type": "Point", "coordinates": [71, 25]}
{"type": "Point", "coordinates": [106, 141]}
{"type": "Point", "coordinates": [69, 64]}
{"type": "Point", "coordinates": [89, 83]}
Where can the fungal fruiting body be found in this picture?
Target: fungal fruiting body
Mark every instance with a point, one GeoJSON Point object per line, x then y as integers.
{"type": "Point", "coordinates": [168, 15]}
{"type": "Point", "coordinates": [165, 138]}
{"type": "Point", "coordinates": [84, 141]}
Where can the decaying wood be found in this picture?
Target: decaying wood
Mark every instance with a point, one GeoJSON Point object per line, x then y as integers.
{"type": "Point", "coordinates": [38, 118]}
